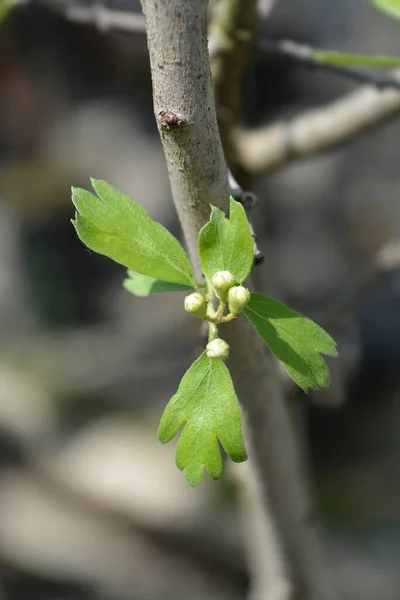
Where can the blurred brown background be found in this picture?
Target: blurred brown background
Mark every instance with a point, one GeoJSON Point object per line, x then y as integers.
{"type": "Point", "coordinates": [91, 506]}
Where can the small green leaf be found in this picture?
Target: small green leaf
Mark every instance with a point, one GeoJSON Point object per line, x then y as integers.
{"type": "Point", "coordinates": [206, 404]}
{"type": "Point", "coordinates": [390, 7]}
{"type": "Point", "coordinates": [340, 59]}
{"type": "Point", "coordinates": [227, 245]}
{"type": "Point", "coordinates": [118, 227]}
{"type": "Point", "coordinates": [5, 7]}
{"type": "Point", "coordinates": [294, 339]}
{"type": "Point", "coordinates": [143, 285]}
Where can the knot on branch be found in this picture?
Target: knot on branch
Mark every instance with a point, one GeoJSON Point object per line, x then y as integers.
{"type": "Point", "coordinates": [171, 120]}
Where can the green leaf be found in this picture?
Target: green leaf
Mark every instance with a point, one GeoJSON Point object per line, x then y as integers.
{"type": "Point", "coordinates": [143, 285]}
{"type": "Point", "coordinates": [118, 227]}
{"type": "Point", "coordinates": [227, 245]}
{"type": "Point", "coordinates": [206, 404]}
{"type": "Point", "coordinates": [5, 7]}
{"type": "Point", "coordinates": [294, 339]}
{"type": "Point", "coordinates": [390, 7]}
{"type": "Point", "coordinates": [340, 59]}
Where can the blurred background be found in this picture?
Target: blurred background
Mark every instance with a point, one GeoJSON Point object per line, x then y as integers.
{"type": "Point", "coordinates": [91, 505]}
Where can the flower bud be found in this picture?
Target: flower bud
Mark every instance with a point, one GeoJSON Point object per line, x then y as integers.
{"type": "Point", "coordinates": [238, 297]}
{"type": "Point", "coordinates": [217, 349]}
{"type": "Point", "coordinates": [196, 304]}
{"type": "Point", "coordinates": [222, 282]}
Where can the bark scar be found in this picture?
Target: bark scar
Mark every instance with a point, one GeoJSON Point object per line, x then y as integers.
{"type": "Point", "coordinates": [171, 120]}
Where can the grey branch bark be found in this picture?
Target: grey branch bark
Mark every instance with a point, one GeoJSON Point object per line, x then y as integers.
{"type": "Point", "coordinates": [182, 89]}
{"type": "Point", "coordinates": [266, 149]}
{"type": "Point", "coordinates": [266, 563]}
{"type": "Point", "coordinates": [180, 69]}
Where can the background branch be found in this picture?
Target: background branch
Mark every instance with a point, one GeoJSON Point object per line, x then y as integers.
{"type": "Point", "coordinates": [301, 54]}
{"type": "Point", "coordinates": [233, 31]}
{"type": "Point", "coordinates": [106, 19]}
{"type": "Point", "coordinates": [177, 40]}
{"type": "Point", "coordinates": [266, 149]}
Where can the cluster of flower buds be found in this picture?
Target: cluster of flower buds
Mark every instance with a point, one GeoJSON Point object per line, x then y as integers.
{"type": "Point", "coordinates": [224, 285]}
{"type": "Point", "coordinates": [237, 297]}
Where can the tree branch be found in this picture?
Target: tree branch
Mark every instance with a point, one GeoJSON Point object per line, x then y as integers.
{"type": "Point", "coordinates": [268, 148]}
{"type": "Point", "coordinates": [233, 31]}
{"type": "Point", "coordinates": [180, 68]}
{"type": "Point", "coordinates": [264, 559]}
{"type": "Point", "coordinates": [106, 19]}
{"type": "Point", "coordinates": [177, 40]}
{"type": "Point", "coordinates": [301, 54]}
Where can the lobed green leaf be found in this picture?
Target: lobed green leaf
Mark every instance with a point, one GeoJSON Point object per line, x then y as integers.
{"type": "Point", "coordinates": [143, 285]}
{"type": "Point", "coordinates": [390, 7]}
{"type": "Point", "coordinates": [227, 244]}
{"type": "Point", "coordinates": [114, 225]}
{"type": "Point", "coordinates": [341, 59]}
{"type": "Point", "coordinates": [294, 339]}
{"type": "Point", "coordinates": [207, 406]}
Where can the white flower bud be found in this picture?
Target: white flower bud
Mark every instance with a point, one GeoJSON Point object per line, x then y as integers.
{"type": "Point", "coordinates": [217, 349]}
{"type": "Point", "coordinates": [238, 297]}
{"type": "Point", "coordinates": [222, 282]}
{"type": "Point", "coordinates": [196, 304]}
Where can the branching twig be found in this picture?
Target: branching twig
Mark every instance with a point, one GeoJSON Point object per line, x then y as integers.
{"type": "Point", "coordinates": [106, 19]}
{"type": "Point", "coordinates": [177, 40]}
{"type": "Point", "coordinates": [301, 54]}
{"type": "Point", "coordinates": [266, 149]}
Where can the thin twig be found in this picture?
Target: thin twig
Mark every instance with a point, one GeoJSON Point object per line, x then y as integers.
{"type": "Point", "coordinates": [301, 54]}
{"type": "Point", "coordinates": [248, 200]}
